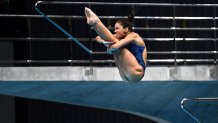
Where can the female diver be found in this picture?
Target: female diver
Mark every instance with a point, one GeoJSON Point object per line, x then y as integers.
{"type": "Point", "coordinates": [128, 48]}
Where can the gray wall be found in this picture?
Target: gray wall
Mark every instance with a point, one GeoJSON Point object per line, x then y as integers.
{"type": "Point", "coordinates": [106, 73]}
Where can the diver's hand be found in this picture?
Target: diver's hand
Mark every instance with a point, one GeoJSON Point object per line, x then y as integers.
{"type": "Point", "coordinates": [106, 43]}
{"type": "Point", "coordinates": [99, 39]}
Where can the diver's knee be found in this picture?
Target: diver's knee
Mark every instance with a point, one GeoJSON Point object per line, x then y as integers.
{"type": "Point", "coordinates": [135, 77]}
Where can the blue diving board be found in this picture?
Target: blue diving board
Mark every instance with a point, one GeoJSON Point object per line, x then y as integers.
{"type": "Point", "coordinates": [158, 99]}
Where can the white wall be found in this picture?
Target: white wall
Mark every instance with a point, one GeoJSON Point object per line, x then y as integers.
{"type": "Point", "coordinates": [106, 73]}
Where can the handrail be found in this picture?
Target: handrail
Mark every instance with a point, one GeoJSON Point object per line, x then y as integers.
{"type": "Point", "coordinates": [108, 17]}
{"type": "Point", "coordinates": [105, 61]}
{"type": "Point", "coordinates": [56, 61]}
{"type": "Point", "coordinates": [93, 39]}
{"type": "Point", "coordinates": [170, 28]}
{"type": "Point", "coordinates": [195, 99]}
{"type": "Point", "coordinates": [40, 16]}
{"type": "Point", "coordinates": [184, 52]}
{"type": "Point", "coordinates": [61, 29]}
{"type": "Point", "coordinates": [128, 4]}
{"type": "Point", "coordinates": [179, 60]}
{"type": "Point", "coordinates": [135, 28]}
{"type": "Point", "coordinates": [40, 39]}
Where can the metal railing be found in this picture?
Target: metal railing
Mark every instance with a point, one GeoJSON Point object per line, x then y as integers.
{"type": "Point", "coordinates": [186, 100]}
{"type": "Point", "coordinates": [172, 28]}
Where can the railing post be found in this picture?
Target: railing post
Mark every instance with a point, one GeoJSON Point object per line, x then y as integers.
{"type": "Point", "coordinates": [215, 42]}
{"type": "Point", "coordinates": [71, 43]}
{"type": "Point", "coordinates": [174, 37]}
{"type": "Point", "coordinates": [91, 47]}
{"type": "Point", "coordinates": [30, 41]}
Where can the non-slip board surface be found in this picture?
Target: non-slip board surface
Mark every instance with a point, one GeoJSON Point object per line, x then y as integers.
{"type": "Point", "coordinates": [160, 99]}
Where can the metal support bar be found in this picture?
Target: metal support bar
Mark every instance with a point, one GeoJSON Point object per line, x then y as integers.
{"type": "Point", "coordinates": [107, 17]}
{"type": "Point", "coordinates": [171, 28]}
{"type": "Point", "coordinates": [86, 39]}
{"type": "Point", "coordinates": [56, 61]}
{"type": "Point", "coordinates": [104, 61]}
{"type": "Point", "coordinates": [184, 52]}
{"type": "Point", "coordinates": [127, 4]}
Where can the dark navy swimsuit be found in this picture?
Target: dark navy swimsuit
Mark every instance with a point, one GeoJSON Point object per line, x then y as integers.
{"type": "Point", "coordinates": [137, 51]}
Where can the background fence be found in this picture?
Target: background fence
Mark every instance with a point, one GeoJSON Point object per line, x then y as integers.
{"type": "Point", "coordinates": [175, 34]}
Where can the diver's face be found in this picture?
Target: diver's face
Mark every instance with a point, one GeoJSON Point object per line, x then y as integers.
{"type": "Point", "coordinates": [120, 31]}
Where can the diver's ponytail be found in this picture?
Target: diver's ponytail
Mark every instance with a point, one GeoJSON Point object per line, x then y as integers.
{"type": "Point", "coordinates": [131, 18]}
{"type": "Point", "coordinates": [129, 22]}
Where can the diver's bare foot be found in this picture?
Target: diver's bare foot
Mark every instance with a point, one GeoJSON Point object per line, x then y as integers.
{"type": "Point", "coordinates": [91, 16]}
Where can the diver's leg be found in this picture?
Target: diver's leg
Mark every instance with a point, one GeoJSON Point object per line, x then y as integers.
{"type": "Point", "coordinates": [117, 62]}
{"type": "Point", "coordinates": [129, 66]}
{"type": "Point", "coordinates": [103, 32]}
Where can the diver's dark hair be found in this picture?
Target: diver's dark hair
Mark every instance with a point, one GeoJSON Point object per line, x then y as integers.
{"type": "Point", "coordinates": [127, 23]}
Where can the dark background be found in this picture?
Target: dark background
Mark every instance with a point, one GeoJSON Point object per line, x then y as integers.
{"type": "Point", "coordinates": [13, 50]}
